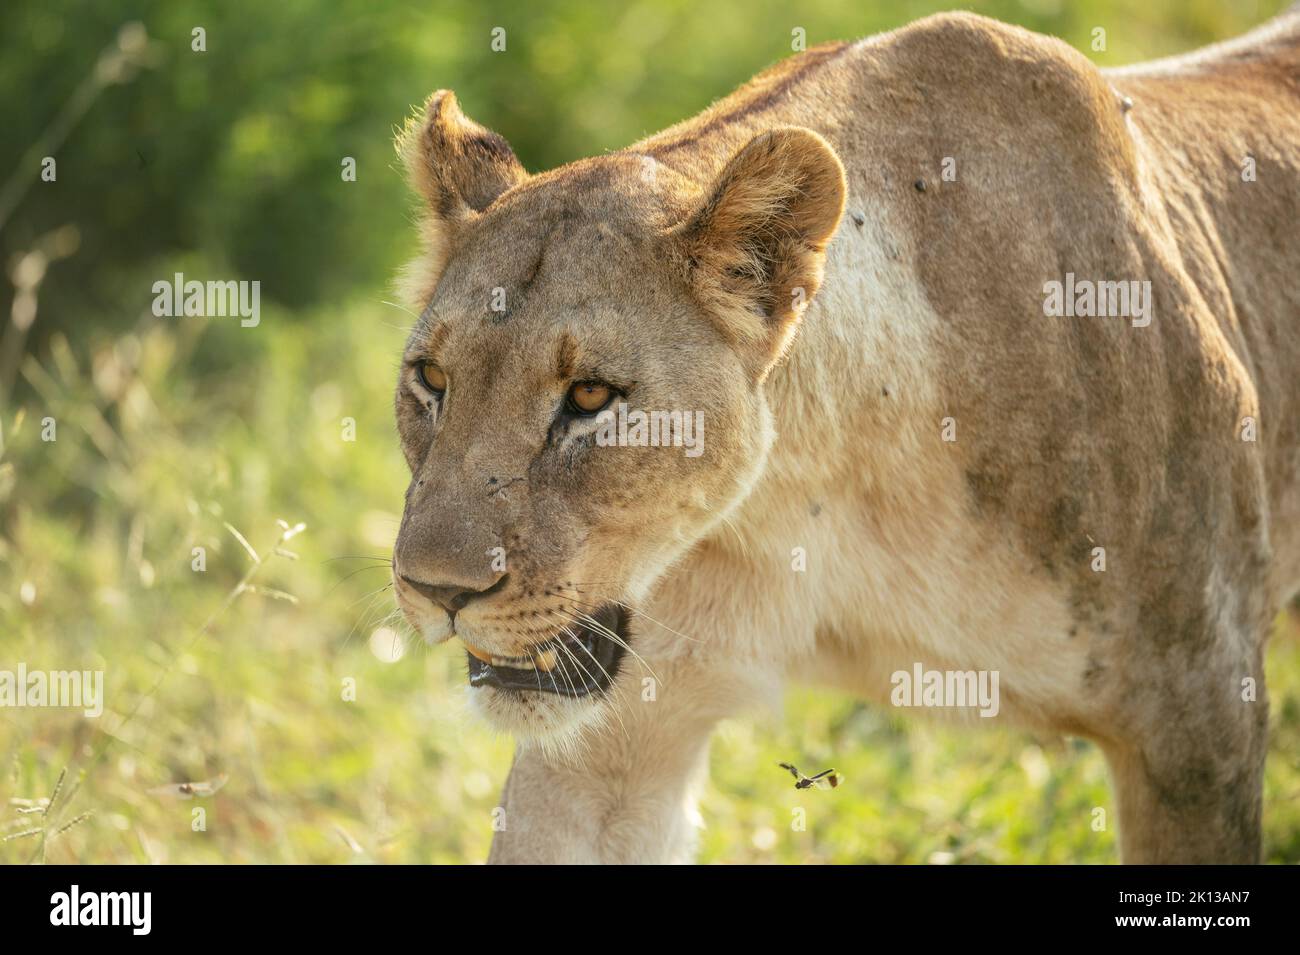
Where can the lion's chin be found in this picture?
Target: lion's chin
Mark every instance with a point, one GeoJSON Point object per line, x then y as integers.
{"type": "Point", "coordinates": [562, 686]}
{"type": "Point", "coordinates": [541, 719]}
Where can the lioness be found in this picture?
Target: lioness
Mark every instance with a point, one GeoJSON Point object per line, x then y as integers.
{"type": "Point", "coordinates": [910, 456]}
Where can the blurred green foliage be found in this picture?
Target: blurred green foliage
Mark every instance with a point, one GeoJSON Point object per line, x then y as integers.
{"type": "Point", "coordinates": [227, 163]}
{"type": "Point", "coordinates": [233, 155]}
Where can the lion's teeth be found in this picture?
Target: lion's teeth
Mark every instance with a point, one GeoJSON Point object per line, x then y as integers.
{"type": "Point", "coordinates": [543, 661]}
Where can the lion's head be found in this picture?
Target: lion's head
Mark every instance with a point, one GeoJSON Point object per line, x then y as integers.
{"type": "Point", "coordinates": [553, 309]}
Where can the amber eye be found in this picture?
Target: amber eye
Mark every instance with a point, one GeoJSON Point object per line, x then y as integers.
{"type": "Point", "coordinates": [432, 377]}
{"type": "Point", "coordinates": [588, 397]}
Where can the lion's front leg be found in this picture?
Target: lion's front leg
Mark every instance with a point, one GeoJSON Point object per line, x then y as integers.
{"type": "Point", "coordinates": [560, 813]}
{"type": "Point", "coordinates": [625, 793]}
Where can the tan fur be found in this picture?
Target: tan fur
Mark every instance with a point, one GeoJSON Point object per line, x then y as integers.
{"type": "Point", "coordinates": [684, 266]}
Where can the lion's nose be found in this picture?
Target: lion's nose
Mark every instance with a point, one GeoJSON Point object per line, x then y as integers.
{"type": "Point", "coordinates": [451, 598]}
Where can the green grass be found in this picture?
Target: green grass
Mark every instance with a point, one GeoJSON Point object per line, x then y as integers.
{"type": "Point", "coordinates": [169, 433]}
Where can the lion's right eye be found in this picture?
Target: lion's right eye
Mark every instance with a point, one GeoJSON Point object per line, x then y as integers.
{"type": "Point", "coordinates": [588, 397]}
{"type": "Point", "coordinates": [431, 377]}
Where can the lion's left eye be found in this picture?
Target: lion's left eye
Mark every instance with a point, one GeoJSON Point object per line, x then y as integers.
{"type": "Point", "coordinates": [588, 397]}
{"type": "Point", "coordinates": [432, 377]}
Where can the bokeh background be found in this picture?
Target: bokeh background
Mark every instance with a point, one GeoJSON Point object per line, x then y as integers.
{"type": "Point", "coordinates": [177, 433]}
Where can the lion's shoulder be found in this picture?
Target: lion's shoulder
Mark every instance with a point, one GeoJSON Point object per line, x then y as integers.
{"type": "Point", "coordinates": [999, 83]}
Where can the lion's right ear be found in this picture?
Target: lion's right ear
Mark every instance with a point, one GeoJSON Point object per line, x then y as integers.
{"type": "Point", "coordinates": [754, 249]}
{"type": "Point", "coordinates": [457, 166]}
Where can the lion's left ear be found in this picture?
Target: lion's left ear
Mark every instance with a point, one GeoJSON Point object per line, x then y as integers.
{"type": "Point", "coordinates": [753, 252]}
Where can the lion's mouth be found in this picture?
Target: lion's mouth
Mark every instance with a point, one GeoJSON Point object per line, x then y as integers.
{"type": "Point", "coordinates": [579, 660]}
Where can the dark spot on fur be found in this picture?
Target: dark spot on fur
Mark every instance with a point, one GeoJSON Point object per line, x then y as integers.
{"type": "Point", "coordinates": [989, 491]}
{"type": "Point", "coordinates": [1174, 615]}
{"type": "Point", "coordinates": [920, 185]}
{"type": "Point", "coordinates": [1063, 520]}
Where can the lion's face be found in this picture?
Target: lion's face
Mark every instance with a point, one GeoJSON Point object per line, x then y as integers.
{"type": "Point", "coordinates": [581, 399]}
{"type": "Point", "coordinates": [534, 530]}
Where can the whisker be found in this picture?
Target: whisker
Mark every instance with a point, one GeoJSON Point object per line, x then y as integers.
{"type": "Point", "coordinates": [349, 576]}
{"type": "Point", "coordinates": [578, 587]}
{"type": "Point", "coordinates": [641, 613]}
{"type": "Point", "coordinates": [363, 620]}
{"type": "Point", "coordinates": [564, 672]}
{"type": "Point", "coordinates": [591, 622]}
{"type": "Point", "coordinates": [562, 645]}
{"type": "Point", "coordinates": [400, 308]}
{"type": "Point", "coordinates": [612, 706]}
